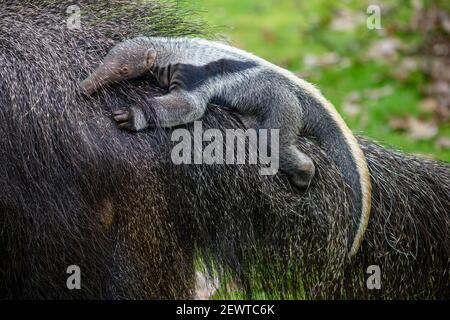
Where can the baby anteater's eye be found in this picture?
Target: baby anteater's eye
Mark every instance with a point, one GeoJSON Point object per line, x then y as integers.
{"type": "Point", "coordinates": [124, 70]}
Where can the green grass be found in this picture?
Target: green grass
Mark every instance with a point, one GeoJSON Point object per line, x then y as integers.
{"type": "Point", "coordinates": [285, 31]}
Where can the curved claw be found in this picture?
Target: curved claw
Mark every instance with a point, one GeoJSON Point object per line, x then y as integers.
{"type": "Point", "coordinates": [120, 117]}
{"type": "Point", "coordinates": [123, 118]}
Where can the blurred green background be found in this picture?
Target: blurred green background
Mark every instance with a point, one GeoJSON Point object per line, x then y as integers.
{"type": "Point", "coordinates": [385, 82]}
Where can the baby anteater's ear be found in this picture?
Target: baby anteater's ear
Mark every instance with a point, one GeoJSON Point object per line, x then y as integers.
{"type": "Point", "coordinates": [150, 57]}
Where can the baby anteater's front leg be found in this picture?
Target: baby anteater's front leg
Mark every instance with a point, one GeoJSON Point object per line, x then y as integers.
{"type": "Point", "coordinates": [176, 108]}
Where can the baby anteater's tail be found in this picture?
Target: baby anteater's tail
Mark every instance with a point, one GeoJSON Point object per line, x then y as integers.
{"type": "Point", "coordinates": [322, 121]}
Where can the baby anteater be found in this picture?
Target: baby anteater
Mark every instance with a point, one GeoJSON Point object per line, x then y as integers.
{"type": "Point", "coordinates": [197, 71]}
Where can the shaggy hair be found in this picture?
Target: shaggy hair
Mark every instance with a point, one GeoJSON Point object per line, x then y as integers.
{"type": "Point", "coordinates": [75, 190]}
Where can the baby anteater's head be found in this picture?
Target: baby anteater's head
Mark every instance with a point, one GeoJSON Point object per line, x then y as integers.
{"type": "Point", "coordinates": [126, 60]}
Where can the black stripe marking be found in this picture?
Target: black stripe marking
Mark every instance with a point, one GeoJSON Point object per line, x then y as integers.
{"type": "Point", "coordinates": [190, 77]}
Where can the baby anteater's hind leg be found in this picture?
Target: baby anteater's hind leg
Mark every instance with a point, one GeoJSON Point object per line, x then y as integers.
{"type": "Point", "coordinates": [173, 109]}
{"type": "Point", "coordinates": [297, 165]}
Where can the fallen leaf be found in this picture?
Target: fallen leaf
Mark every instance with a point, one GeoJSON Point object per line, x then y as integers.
{"type": "Point", "coordinates": [345, 63]}
{"type": "Point", "coordinates": [403, 71]}
{"type": "Point", "coordinates": [422, 130]}
{"type": "Point", "coordinates": [443, 110]}
{"type": "Point", "coordinates": [324, 60]}
{"type": "Point", "coordinates": [347, 20]}
{"type": "Point", "coordinates": [428, 105]}
{"type": "Point", "coordinates": [416, 129]}
{"type": "Point", "coordinates": [205, 286]}
{"type": "Point", "coordinates": [385, 49]}
{"type": "Point", "coordinates": [351, 108]}
{"type": "Point", "coordinates": [353, 96]}
{"type": "Point", "coordinates": [268, 35]}
{"type": "Point", "coordinates": [439, 69]}
{"type": "Point", "coordinates": [399, 123]}
{"type": "Point", "coordinates": [440, 87]}
{"type": "Point", "coordinates": [351, 104]}
{"type": "Point", "coordinates": [441, 49]}
{"type": "Point", "coordinates": [443, 143]}
{"type": "Point", "coordinates": [375, 94]}
{"type": "Point", "coordinates": [232, 286]}
{"type": "Point", "coordinates": [425, 20]}
{"type": "Point", "coordinates": [445, 21]}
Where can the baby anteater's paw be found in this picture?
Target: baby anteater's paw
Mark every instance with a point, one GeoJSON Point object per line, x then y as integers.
{"type": "Point", "coordinates": [132, 119]}
{"type": "Point", "coordinates": [301, 177]}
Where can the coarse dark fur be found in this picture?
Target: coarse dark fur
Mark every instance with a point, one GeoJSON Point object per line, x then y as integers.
{"type": "Point", "coordinates": [76, 190]}
{"type": "Point", "coordinates": [196, 72]}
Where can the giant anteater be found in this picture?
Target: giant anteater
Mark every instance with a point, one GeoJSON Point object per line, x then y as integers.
{"type": "Point", "coordinates": [75, 190]}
